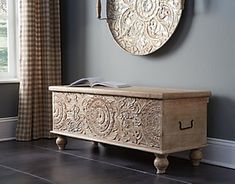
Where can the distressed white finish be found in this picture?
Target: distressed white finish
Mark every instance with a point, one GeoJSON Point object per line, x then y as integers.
{"type": "Point", "coordinates": [131, 121]}
{"type": "Point", "coordinates": [160, 121]}
{"type": "Point", "coordinates": [141, 27]}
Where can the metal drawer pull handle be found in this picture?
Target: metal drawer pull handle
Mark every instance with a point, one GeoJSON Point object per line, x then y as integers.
{"type": "Point", "coordinates": [185, 128]}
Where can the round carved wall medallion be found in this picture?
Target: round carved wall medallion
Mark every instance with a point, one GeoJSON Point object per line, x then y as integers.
{"type": "Point", "coordinates": [141, 27]}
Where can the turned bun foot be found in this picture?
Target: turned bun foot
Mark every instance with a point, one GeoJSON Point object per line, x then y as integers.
{"type": "Point", "coordinates": [161, 163]}
{"type": "Point", "coordinates": [195, 156]}
{"type": "Point", "coordinates": [61, 142]}
{"type": "Point", "coordinates": [95, 144]}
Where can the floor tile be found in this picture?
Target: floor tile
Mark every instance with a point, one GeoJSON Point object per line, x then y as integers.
{"type": "Point", "coordinates": [41, 162]}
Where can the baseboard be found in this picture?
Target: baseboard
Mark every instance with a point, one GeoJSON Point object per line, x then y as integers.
{"type": "Point", "coordinates": [7, 128]}
{"type": "Point", "coordinates": [218, 152]}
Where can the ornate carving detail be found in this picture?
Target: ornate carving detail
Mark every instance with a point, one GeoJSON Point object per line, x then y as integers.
{"type": "Point", "coordinates": [58, 114]}
{"type": "Point", "coordinates": [151, 113]}
{"type": "Point", "coordinates": [141, 27]}
{"type": "Point", "coordinates": [100, 116]}
{"type": "Point", "coordinates": [121, 119]}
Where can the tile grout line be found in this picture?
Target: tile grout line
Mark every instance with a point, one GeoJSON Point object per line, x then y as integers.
{"type": "Point", "coordinates": [107, 163]}
{"type": "Point", "coordinates": [35, 176]}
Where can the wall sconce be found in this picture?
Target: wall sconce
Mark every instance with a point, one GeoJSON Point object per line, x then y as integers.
{"type": "Point", "coordinates": [98, 9]}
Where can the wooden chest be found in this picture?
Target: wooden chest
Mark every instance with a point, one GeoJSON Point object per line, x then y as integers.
{"type": "Point", "coordinates": [160, 121]}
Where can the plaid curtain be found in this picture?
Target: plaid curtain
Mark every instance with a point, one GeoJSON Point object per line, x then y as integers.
{"type": "Point", "coordinates": [40, 66]}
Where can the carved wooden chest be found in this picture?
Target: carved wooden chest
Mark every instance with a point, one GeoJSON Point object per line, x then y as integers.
{"type": "Point", "coordinates": [160, 121]}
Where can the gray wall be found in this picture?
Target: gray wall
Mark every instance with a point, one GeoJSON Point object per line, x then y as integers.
{"type": "Point", "coordinates": [200, 55]}
{"type": "Point", "coordinates": [9, 100]}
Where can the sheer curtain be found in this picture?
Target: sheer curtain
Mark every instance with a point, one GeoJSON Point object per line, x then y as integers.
{"type": "Point", "coordinates": [40, 66]}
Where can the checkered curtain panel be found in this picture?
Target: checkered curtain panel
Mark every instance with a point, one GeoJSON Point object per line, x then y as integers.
{"type": "Point", "coordinates": [40, 66]}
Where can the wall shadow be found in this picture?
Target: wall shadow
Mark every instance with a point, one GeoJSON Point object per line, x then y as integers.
{"type": "Point", "coordinates": [73, 39]}
{"type": "Point", "coordinates": [221, 115]}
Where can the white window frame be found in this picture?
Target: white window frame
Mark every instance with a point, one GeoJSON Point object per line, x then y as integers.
{"type": "Point", "coordinates": [12, 32]}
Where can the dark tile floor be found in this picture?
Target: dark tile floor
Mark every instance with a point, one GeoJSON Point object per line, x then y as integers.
{"type": "Point", "coordinates": [40, 162]}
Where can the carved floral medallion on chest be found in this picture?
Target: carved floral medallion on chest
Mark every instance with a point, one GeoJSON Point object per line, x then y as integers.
{"type": "Point", "coordinates": [120, 119]}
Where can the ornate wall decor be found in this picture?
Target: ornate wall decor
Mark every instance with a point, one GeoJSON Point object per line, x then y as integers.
{"type": "Point", "coordinates": [141, 27]}
{"type": "Point", "coordinates": [120, 119]}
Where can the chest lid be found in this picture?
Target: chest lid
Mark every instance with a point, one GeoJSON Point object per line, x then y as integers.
{"type": "Point", "coordinates": [134, 91]}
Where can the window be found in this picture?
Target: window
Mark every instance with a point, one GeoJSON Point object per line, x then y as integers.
{"type": "Point", "coordinates": [8, 43]}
